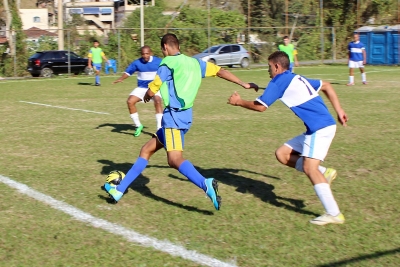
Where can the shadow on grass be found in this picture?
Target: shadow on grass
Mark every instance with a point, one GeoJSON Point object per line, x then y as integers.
{"type": "Point", "coordinates": [374, 255]}
{"type": "Point", "coordinates": [259, 189]}
{"type": "Point", "coordinates": [123, 129]}
{"type": "Point", "coordinates": [139, 185]}
{"type": "Point", "coordinates": [85, 83]}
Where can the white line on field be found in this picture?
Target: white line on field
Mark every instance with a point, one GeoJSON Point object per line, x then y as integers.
{"type": "Point", "coordinates": [51, 106]}
{"type": "Point", "coordinates": [115, 229]}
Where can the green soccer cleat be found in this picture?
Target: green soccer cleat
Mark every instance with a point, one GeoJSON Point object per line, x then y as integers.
{"type": "Point", "coordinates": [326, 218]}
{"type": "Point", "coordinates": [113, 192]}
{"type": "Point", "coordinates": [212, 192]}
{"type": "Point", "coordinates": [138, 131]}
{"type": "Point", "coordinates": [330, 175]}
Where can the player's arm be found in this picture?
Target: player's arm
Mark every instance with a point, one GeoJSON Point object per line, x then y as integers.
{"type": "Point", "coordinates": [104, 57]}
{"type": "Point", "coordinates": [90, 59]}
{"type": "Point", "coordinates": [128, 72]}
{"type": "Point", "coordinates": [212, 70]}
{"type": "Point", "coordinates": [364, 56]}
{"type": "Point", "coordinates": [333, 98]}
{"type": "Point", "coordinates": [235, 100]}
{"type": "Point", "coordinates": [163, 74]}
{"type": "Point", "coordinates": [296, 62]}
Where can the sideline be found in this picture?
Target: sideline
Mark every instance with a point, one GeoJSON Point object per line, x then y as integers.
{"type": "Point", "coordinates": [76, 109]}
{"type": "Point", "coordinates": [115, 229]}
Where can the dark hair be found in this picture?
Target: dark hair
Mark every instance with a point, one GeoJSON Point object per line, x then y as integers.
{"type": "Point", "coordinates": [170, 39]}
{"type": "Point", "coordinates": [285, 37]}
{"type": "Point", "coordinates": [95, 41]}
{"type": "Point", "coordinates": [281, 58]}
{"type": "Point", "coordinates": [145, 47]}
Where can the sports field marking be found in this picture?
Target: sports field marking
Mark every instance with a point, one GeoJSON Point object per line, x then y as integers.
{"type": "Point", "coordinates": [115, 229]}
{"type": "Point", "coordinates": [77, 109]}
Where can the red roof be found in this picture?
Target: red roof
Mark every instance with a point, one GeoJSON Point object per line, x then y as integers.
{"type": "Point", "coordinates": [35, 32]}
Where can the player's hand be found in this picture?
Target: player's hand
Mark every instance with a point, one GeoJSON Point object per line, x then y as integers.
{"type": "Point", "coordinates": [149, 95]}
{"type": "Point", "coordinates": [234, 99]}
{"type": "Point", "coordinates": [296, 64]}
{"type": "Point", "coordinates": [342, 117]}
{"type": "Point", "coordinates": [117, 81]}
{"type": "Point", "coordinates": [251, 86]}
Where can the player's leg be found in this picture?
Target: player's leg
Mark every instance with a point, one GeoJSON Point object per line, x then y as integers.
{"type": "Point", "coordinates": [152, 146]}
{"type": "Point", "coordinates": [315, 149]}
{"type": "Point", "coordinates": [289, 155]}
{"type": "Point", "coordinates": [97, 69]}
{"type": "Point", "coordinates": [136, 96]}
{"type": "Point", "coordinates": [159, 109]}
{"type": "Point", "coordinates": [363, 74]}
{"type": "Point", "coordinates": [291, 67]}
{"type": "Point", "coordinates": [351, 72]}
{"type": "Point", "coordinates": [174, 143]}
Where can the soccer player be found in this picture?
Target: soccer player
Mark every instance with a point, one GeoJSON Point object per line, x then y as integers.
{"type": "Point", "coordinates": [357, 59]}
{"type": "Point", "coordinates": [96, 56]}
{"type": "Point", "coordinates": [291, 51]}
{"type": "Point", "coordinates": [305, 151]}
{"type": "Point", "coordinates": [178, 78]}
{"type": "Point", "coordinates": [146, 68]}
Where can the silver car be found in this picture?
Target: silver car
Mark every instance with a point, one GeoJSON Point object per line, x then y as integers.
{"type": "Point", "coordinates": [226, 55]}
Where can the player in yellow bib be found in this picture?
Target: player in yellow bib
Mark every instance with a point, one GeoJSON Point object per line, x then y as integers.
{"type": "Point", "coordinates": [96, 56]}
{"type": "Point", "coordinates": [291, 51]}
{"type": "Point", "coordinates": [178, 79]}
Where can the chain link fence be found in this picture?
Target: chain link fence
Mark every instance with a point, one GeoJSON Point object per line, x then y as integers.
{"type": "Point", "coordinates": [314, 44]}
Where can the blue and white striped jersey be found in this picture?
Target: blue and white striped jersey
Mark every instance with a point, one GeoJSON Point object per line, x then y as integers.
{"type": "Point", "coordinates": [356, 51]}
{"type": "Point", "coordinates": [146, 70]}
{"type": "Point", "coordinates": [301, 96]}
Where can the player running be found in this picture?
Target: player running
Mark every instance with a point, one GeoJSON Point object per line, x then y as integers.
{"type": "Point", "coordinates": [305, 151]}
{"type": "Point", "coordinates": [178, 79]}
{"type": "Point", "coordinates": [146, 68]}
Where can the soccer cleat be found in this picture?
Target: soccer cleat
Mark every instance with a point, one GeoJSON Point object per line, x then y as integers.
{"type": "Point", "coordinates": [365, 83]}
{"type": "Point", "coordinates": [330, 175]}
{"type": "Point", "coordinates": [349, 84]}
{"type": "Point", "coordinates": [212, 192]}
{"type": "Point", "coordinates": [138, 130]}
{"type": "Point", "coordinates": [96, 84]}
{"type": "Point", "coordinates": [326, 218]}
{"type": "Point", "coordinates": [113, 192]}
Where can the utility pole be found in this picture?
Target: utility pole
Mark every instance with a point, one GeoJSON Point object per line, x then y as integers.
{"type": "Point", "coordinates": [248, 23]}
{"type": "Point", "coordinates": [286, 17]}
{"type": "Point", "coordinates": [141, 24]}
{"type": "Point", "coordinates": [321, 10]}
{"type": "Point", "coordinates": [60, 13]}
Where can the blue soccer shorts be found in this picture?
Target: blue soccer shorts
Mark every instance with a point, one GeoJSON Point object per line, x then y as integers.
{"type": "Point", "coordinates": [172, 139]}
{"type": "Point", "coordinates": [97, 66]}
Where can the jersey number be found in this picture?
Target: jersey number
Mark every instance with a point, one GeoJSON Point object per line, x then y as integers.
{"type": "Point", "coordinates": [308, 88]}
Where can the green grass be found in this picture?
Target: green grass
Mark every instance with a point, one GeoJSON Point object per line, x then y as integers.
{"type": "Point", "coordinates": [263, 221]}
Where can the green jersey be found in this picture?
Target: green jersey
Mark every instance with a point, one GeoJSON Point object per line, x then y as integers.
{"type": "Point", "coordinates": [96, 54]}
{"type": "Point", "coordinates": [289, 50]}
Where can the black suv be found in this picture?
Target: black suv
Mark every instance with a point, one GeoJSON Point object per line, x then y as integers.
{"type": "Point", "coordinates": [47, 63]}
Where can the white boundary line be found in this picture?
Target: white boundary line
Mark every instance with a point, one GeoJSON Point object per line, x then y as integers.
{"type": "Point", "coordinates": [51, 106]}
{"type": "Point", "coordinates": [115, 229]}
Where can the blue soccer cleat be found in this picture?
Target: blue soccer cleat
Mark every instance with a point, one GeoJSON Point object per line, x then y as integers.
{"type": "Point", "coordinates": [212, 192]}
{"type": "Point", "coordinates": [113, 192]}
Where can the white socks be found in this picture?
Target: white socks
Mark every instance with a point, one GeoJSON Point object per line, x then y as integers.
{"type": "Point", "coordinates": [158, 119]}
{"type": "Point", "coordinates": [351, 79]}
{"type": "Point", "coordinates": [325, 195]}
{"type": "Point", "coordinates": [364, 77]}
{"type": "Point", "coordinates": [299, 166]}
{"type": "Point", "coordinates": [135, 118]}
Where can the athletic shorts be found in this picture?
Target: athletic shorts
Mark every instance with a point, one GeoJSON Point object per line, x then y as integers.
{"type": "Point", "coordinates": [172, 139]}
{"type": "Point", "coordinates": [355, 64]}
{"type": "Point", "coordinates": [314, 145]}
{"type": "Point", "coordinates": [97, 66]}
{"type": "Point", "coordinates": [140, 92]}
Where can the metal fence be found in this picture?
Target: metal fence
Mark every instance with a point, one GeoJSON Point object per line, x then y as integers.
{"type": "Point", "coordinates": [313, 43]}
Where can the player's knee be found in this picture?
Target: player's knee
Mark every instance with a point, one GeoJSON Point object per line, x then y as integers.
{"type": "Point", "coordinates": [130, 102]}
{"type": "Point", "coordinates": [157, 100]}
{"type": "Point", "coordinates": [282, 155]}
{"type": "Point", "coordinates": [309, 170]}
{"type": "Point", "coordinates": [174, 162]}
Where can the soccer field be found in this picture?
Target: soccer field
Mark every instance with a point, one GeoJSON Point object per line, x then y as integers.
{"type": "Point", "coordinates": [61, 137]}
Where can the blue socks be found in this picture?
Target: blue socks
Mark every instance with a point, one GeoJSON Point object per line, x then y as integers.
{"type": "Point", "coordinates": [192, 174]}
{"type": "Point", "coordinates": [132, 174]}
{"type": "Point", "coordinates": [97, 79]}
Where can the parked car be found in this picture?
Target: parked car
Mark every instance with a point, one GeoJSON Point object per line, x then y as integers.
{"type": "Point", "coordinates": [226, 55]}
{"type": "Point", "coordinates": [47, 63]}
